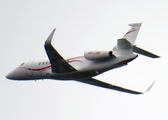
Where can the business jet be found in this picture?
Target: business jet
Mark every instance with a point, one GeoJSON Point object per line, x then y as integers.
{"type": "Point", "coordinates": [84, 68]}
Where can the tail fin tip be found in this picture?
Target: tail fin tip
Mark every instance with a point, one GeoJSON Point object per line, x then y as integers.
{"type": "Point", "coordinates": [132, 33]}
{"type": "Point", "coordinates": [135, 24]}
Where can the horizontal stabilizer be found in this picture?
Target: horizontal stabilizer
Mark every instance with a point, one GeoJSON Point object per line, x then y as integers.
{"type": "Point", "coordinates": [144, 52]}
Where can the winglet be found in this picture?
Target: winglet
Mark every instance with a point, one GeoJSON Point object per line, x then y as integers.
{"type": "Point", "coordinates": [58, 63]}
{"type": "Point", "coordinates": [148, 89]}
{"type": "Point", "coordinates": [48, 41]}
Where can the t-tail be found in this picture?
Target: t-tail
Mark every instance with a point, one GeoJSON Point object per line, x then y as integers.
{"type": "Point", "coordinates": [132, 33]}
{"type": "Point", "coordinates": [131, 36]}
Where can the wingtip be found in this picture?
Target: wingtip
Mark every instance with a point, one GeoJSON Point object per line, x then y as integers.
{"type": "Point", "coordinates": [48, 41]}
{"type": "Point", "coordinates": [158, 56]}
{"type": "Point", "coordinates": [52, 33]}
{"type": "Point", "coordinates": [149, 88]}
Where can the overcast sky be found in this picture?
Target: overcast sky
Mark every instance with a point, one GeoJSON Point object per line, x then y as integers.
{"type": "Point", "coordinates": [82, 26]}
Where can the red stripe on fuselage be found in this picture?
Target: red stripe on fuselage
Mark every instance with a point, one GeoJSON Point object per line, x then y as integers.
{"type": "Point", "coordinates": [74, 61]}
{"type": "Point", "coordinates": [75, 58]}
{"type": "Point", "coordinates": [40, 69]}
{"type": "Point", "coordinates": [49, 67]}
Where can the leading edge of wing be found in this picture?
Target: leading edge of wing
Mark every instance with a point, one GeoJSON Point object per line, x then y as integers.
{"type": "Point", "coordinates": [99, 83]}
{"type": "Point", "coordinates": [58, 63]}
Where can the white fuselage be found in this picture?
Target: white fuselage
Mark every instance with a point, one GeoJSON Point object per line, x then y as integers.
{"type": "Point", "coordinates": [85, 68]}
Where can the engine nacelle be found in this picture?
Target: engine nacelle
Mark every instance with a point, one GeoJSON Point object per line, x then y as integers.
{"type": "Point", "coordinates": [97, 55]}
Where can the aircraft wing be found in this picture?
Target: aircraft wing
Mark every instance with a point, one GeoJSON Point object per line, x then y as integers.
{"type": "Point", "coordinates": [58, 63]}
{"type": "Point", "coordinates": [99, 83]}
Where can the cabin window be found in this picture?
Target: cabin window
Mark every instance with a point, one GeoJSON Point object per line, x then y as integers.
{"type": "Point", "coordinates": [46, 62]}
{"type": "Point", "coordinates": [39, 63]}
{"type": "Point", "coordinates": [43, 63]}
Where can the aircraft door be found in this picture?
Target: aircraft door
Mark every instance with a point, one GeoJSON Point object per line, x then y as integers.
{"type": "Point", "coordinates": [29, 68]}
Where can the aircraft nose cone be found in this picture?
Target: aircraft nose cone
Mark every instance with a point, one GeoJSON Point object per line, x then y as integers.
{"type": "Point", "coordinates": [14, 75]}
{"type": "Point", "coordinates": [11, 75]}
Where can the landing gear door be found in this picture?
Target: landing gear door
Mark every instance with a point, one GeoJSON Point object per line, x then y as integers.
{"type": "Point", "coordinates": [29, 68]}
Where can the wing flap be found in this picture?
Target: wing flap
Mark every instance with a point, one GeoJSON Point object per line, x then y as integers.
{"type": "Point", "coordinates": [58, 63]}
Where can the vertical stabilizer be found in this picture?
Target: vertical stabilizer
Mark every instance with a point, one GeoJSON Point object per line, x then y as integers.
{"type": "Point", "coordinates": [131, 35]}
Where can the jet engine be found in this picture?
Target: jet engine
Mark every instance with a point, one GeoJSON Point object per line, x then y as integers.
{"type": "Point", "coordinates": [98, 55]}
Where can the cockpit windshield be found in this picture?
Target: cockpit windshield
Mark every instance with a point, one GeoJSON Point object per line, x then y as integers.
{"type": "Point", "coordinates": [22, 64]}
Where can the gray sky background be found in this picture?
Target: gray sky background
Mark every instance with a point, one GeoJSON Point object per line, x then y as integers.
{"type": "Point", "coordinates": [83, 25]}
